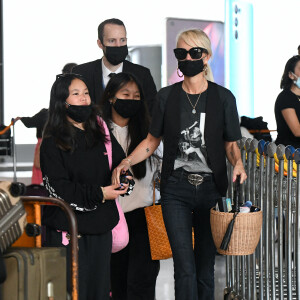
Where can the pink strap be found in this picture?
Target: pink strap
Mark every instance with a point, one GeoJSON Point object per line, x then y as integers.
{"type": "Point", "coordinates": [64, 239]}
{"type": "Point", "coordinates": [108, 147]}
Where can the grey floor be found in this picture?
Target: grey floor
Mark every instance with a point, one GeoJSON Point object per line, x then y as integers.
{"type": "Point", "coordinates": [165, 280]}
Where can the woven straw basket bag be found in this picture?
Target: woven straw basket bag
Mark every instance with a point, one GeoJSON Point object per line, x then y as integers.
{"type": "Point", "coordinates": [245, 235]}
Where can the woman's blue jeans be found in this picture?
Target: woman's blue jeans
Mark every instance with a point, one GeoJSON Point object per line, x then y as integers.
{"type": "Point", "coordinates": [185, 205]}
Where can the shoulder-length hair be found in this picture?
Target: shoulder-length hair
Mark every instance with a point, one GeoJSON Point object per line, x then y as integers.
{"type": "Point", "coordinates": [199, 38]}
{"type": "Point", "coordinates": [58, 125]}
{"type": "Point", "coordinates": [286, 81]}
{"type": "Point", "coordinates": [138, 125]}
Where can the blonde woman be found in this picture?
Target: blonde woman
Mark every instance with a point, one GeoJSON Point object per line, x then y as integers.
{"type": "Point", "coordinates": [193, 114]}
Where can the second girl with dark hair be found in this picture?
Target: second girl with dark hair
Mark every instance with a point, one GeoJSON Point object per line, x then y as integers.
{"type": "Point", "coordinates": [133, 272]}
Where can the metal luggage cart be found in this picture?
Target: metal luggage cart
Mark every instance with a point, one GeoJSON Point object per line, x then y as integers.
{"type": "Point", "coordinates": [7, 145]}
{"type": "Point", "coordinates": [13, 223]}
{"type": "Point", "coordinates": [273, 184]}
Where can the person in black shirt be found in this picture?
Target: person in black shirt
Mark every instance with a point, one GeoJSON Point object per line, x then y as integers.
{"type": "Point", "coordinates": [287, 105]}
{"type": "Point", "coordinates": [199, 124]}
{"type": "Point", "coordinates": [75, 168]}
{"type": "Point", "coordinates": [37, 121]}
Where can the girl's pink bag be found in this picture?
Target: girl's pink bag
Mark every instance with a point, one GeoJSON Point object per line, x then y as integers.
{"type": "Point", "coordinates": [120, 234]}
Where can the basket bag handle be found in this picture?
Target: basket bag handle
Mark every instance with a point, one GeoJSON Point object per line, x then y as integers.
{"type": "Point", "coordinates": [235, 209]}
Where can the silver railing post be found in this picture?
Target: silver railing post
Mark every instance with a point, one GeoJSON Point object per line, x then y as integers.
{"type": "Point", "coordinates": [297, 235]}
{"type": "Point", "coordinates": [263, 280]}
{"type": "Point", "coordinates": [252, 178]}
{"type": "Point", "coordinates": [289, 153]}
{"type": "Point", "coordinates": [280, 151]}
{"type": "Point", "coordinates": [271, 149]}
{"type": "Point", "coordinates": [241, 273]}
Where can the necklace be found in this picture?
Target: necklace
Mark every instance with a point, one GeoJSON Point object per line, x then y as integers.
{"type": "Point", "coordinates": [193, 106]}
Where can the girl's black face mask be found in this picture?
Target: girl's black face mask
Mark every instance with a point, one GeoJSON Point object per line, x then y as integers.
{"type": "Point", "coordinates": [191, 68]}
{"type": "Point", "coordinates": [127, 108]}
{"type": "Point", "coordinates": [79, 113]}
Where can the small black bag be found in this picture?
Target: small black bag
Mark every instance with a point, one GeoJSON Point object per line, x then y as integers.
{"type": "Point", "coordinates": [257, 124]}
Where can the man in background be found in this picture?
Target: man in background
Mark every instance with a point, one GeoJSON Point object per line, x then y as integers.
{"type": "Point", "coordinates": [112, 39]}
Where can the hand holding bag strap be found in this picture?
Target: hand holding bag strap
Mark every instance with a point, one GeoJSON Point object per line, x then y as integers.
{"type": "Point", "coordinates": [120, 234]}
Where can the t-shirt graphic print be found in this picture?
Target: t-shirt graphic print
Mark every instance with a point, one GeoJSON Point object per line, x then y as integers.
{"type": "Point", "coordinates": [192, 154]}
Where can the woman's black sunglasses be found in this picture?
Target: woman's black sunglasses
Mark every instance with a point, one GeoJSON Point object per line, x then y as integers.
{"type": "Point", "coordinates": [195, 53]}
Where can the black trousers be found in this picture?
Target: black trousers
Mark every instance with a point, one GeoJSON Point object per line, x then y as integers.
{"type": "Point", "coordinates": [93, 263]}
{"type": "Point", "coordinates": [184, 206]}
{"type": "Point", "coordinates": [133, 272]}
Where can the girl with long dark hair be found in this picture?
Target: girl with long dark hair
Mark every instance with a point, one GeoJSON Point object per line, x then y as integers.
{"type": "Point", "coordinates": [133, 272]}
{"type": "Point", "coordinates": [75, 168]}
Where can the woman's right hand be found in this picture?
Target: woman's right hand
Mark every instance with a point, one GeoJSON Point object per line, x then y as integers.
{"type": "Point", "coordinates": [111, 191]}
{"type": "Point", "coordinates": [122, 167]}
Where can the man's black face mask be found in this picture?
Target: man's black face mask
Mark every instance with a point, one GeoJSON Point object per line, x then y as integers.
{"type": "Point", "coordinates": [116, 55]}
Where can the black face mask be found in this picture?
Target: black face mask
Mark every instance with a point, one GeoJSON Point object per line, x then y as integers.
{"type": "Point", "coordinates": [190, 68]}
{"type": "Point", "coordinates": [79, 113]}
{"type": "Point", "coordinates": [127, 108]}
{"type": "Point", "coordinates": [116, 55]}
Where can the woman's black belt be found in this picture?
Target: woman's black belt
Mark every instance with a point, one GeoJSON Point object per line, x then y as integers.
{"type": "Point", "coordinates": [193, 178]}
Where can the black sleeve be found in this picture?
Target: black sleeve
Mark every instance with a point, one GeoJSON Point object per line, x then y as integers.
{"type": "Point", "coordinates": [56, 178]}
{"type": "Point", "coordinates": [149, 90]}
{"type": "Point", "coordinates": [232, 130]}
{"type": "Point", "coordinates": [36, 121]}
{"type": "Point", "coordinates": [285, 101]}
{"type": "Point", "coordinates": [157, 122]}
{"type": "Point", "coordinates": [117, 152]}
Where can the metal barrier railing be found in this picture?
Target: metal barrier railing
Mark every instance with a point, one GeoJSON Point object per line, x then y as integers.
{"type": "Point", "coordinates": [273, 184]}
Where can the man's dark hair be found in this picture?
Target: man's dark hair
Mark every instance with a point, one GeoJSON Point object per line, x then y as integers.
{"type": "Point", "coordinates": [286, 81]}
{"type": "Point", "coordinates": [108, 21]}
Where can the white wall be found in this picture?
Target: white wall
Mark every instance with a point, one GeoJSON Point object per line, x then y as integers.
{"type": "Point", "coordinates": [41, 36]}
{"type": "Point", "coordinates": [276, 39]}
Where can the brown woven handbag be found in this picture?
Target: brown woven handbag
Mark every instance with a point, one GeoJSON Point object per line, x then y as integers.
{"type": "Point", "coordinates": [158, 238]}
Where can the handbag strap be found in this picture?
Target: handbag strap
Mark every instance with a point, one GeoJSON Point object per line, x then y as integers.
{"type": "Point", "coordinates": [153, 192]}
{"type": "Point", "coordinates": [107, 142]}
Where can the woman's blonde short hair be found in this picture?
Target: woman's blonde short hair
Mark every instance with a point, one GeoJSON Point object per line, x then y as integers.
{"type": "Point", "coordinates": [197, 37]}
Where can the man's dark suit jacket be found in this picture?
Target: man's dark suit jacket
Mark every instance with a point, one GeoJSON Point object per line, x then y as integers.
{"type": "Point", "coordinates": [92, 72]}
